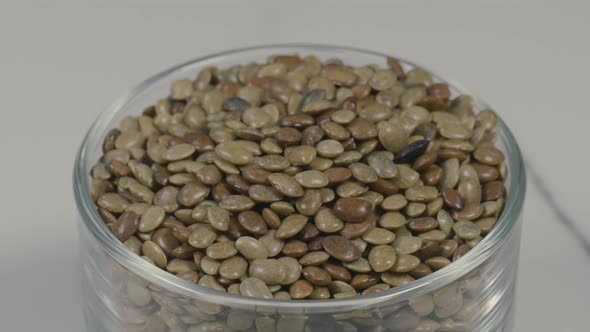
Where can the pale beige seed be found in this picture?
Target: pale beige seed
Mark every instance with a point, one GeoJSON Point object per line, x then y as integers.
{"type": "Point", "coordinates": [382, 258]}
{"type": "Point", "coordinates": [291, 226]}
{"type": "Point", "coordinates": [222, 250]}
{"type": "Point", "coordinates": [218, 217]}
{"type": "Point", "coordinates": [233, 268]}
{"type": "Point", "coordinates": [151, 219]}
{"type": "Point", "coordinates": [254, 287]}
{"type": "Point", "coordinates": [155, 253]}
{"type": "Point", "coordinates": [327, 222]}
{"type": "Point", "coordinates": [312, 179]}
{"type": "Point", "coordinates": [273, 244]}
{"type": "Point", "coordinates": [251, 248]}
{"type": "Point", "coordinates": [405, 263]}
{"type": "Point", "coordinates": [234, 152]}
{"type": "Point", "coordinates": [209, 265]}
{"type": "Point", "coordinates": [292, 270]}
{"type": "Point", "coordinates": [467, 230]}
{"type": "Point", "coordinates": [378, 236]}
{"type": "Point", "coordinates": [271, 271]}
{"type": "Point", "coordinates": [113, 202]}
{"type": "Point", "coordinates": [407, 244]}
{"type": "Point", "coordinates": [394, 202]}
{"type": "Point", "coordinates": [329, 148]}
{"type": "Point", "coordinates": [202, 237]}
{"type": "Point", "coordinates": [177, 266]}
{"type": "Point", "coordinates": [392, 220]}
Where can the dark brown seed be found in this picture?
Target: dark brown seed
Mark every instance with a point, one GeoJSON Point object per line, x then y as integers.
{"type": "Point", "coordinates": [352, 209]}
{"type": "Point", "coordinates": [440, 90]}
{"type": "Point", "coordinates": [411, 151]}
{"type": "Point", "coordinates": [354, 230]}
{"type": "Point", "coordinates": [181, 234]}
{"type": "Point", "coordinates": [338, 175]}
{"type": "Point", "coordinates": [237, 183]}
{"type": "Point", "coordinates": [299, 120]}
{"type": "Point", "coordinates": [396, 67]}
{"type": "Point", "coordinates": [165, 239]}
{"type": "Point", "coordinates": [427, 250]}
{"type": "Point", "coordinates": [271, 218]}
{"type": "Point", "coordinates": [197, 257]}
{"type": "Point", "coordinates": [295, 248]}
{"type": "Point", "coordinates": [308, 233]}
{"type": "Point", "coordinates": [235, 230]}
{"type": "Point", "coordinates": [364, 280]}
{"type": "Point", "coordinates": [107, 217]}
{"type": "Point", "coordinates": [312, 135]}
{"type": "Point", "coordinates": [125, 226]}
{"type": "Point", "coordinates": [384, 187]}
{"type": "Point", "coordinates": [220, 191]}
{"type": "Point", "coordinates": [256, 175]}
{"type": "Point", "coordinates": [288, 136]}
{"type": "Point", "coordinates": [460, 252]}
{"type": "Point", "coordinates": [491, 191]}
{"type": "Point", "coordinates": [324, 117]}
{"type": "Point", "coordinates": [337, 272]}
{"type": "Point", "coordinates": [316, 276]}
{"type": "Point", "coordinates": [184, 251]}
{"type": "Point", "coordinates": [162, 176]}
{"type": "Point", "coordinates": [422, 270]}
{"type": "Point", "coordinates": [316, 244]}
{"type": "Point", "coordinates": [471, 211]}
{"type": "Point", "coordinates": [453, 199]}
{"type": "Point", "coordinates": [362, 129]}
{"type": "Point", "coordinates": [349, 104]}
{"type": "Point", "coordinates": [425, 160]}
{"type": "Point", "coordinates": [177, 106]}
{"type": "Point", "coordinates": [432, 176]}
{"type": "Point", "coordinates": [201, 142]}
{"type": "Point", "coordinates": [423, 224]}
{"type": "Point", "coordinates": [485, 173]}
{"type": "Point", "coordinates": [448, 248]}
{"type": "Point", "coordinates": [300, 289]}
{"type": "Point", "coordinates": [433, 103]}
{"type": "Point", "coordinates": [110, 139]}
{"type": "Point", "coordinates": [252, 222]}
{"type": "Point", "coordinates": [341, 249]}
{"type": "Point", "coordinates": [149, 111]}
{"type": "Point", "coordinates": [349, 144]}
{"type": "Point", "coordinates": [118, 168]}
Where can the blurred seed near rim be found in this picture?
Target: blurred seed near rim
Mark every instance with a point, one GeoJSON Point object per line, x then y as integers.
{"type": "Point", "coordinates": [300, 179]}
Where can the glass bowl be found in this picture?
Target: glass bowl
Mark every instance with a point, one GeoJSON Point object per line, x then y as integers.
{"type": "Point", "coordinates": [122, 292]}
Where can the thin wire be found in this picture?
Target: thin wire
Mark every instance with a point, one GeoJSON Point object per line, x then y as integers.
{"type": "Point", "coordinates": [560, 214]}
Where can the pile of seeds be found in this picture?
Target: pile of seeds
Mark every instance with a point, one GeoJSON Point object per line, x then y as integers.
{"type": "Point", "coordinates": [297, 179]}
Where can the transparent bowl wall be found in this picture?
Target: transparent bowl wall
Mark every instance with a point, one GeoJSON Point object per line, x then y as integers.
{"type": "Point", "coordinates": [124, 293]}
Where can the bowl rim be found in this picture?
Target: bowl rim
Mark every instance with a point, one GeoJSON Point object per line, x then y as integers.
{"type": "Point", "coordinates": [135, 264]}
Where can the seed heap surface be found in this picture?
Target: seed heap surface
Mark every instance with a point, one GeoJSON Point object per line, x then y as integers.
{"type": "Point", "coordinates": [300, 179]}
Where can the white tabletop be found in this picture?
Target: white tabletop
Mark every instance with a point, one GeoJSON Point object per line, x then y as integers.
{"type": "Point", "coordinates": [63, 62]}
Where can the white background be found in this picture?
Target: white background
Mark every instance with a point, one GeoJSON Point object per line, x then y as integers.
{"type": "Point", "coordinates": [63, 62]}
